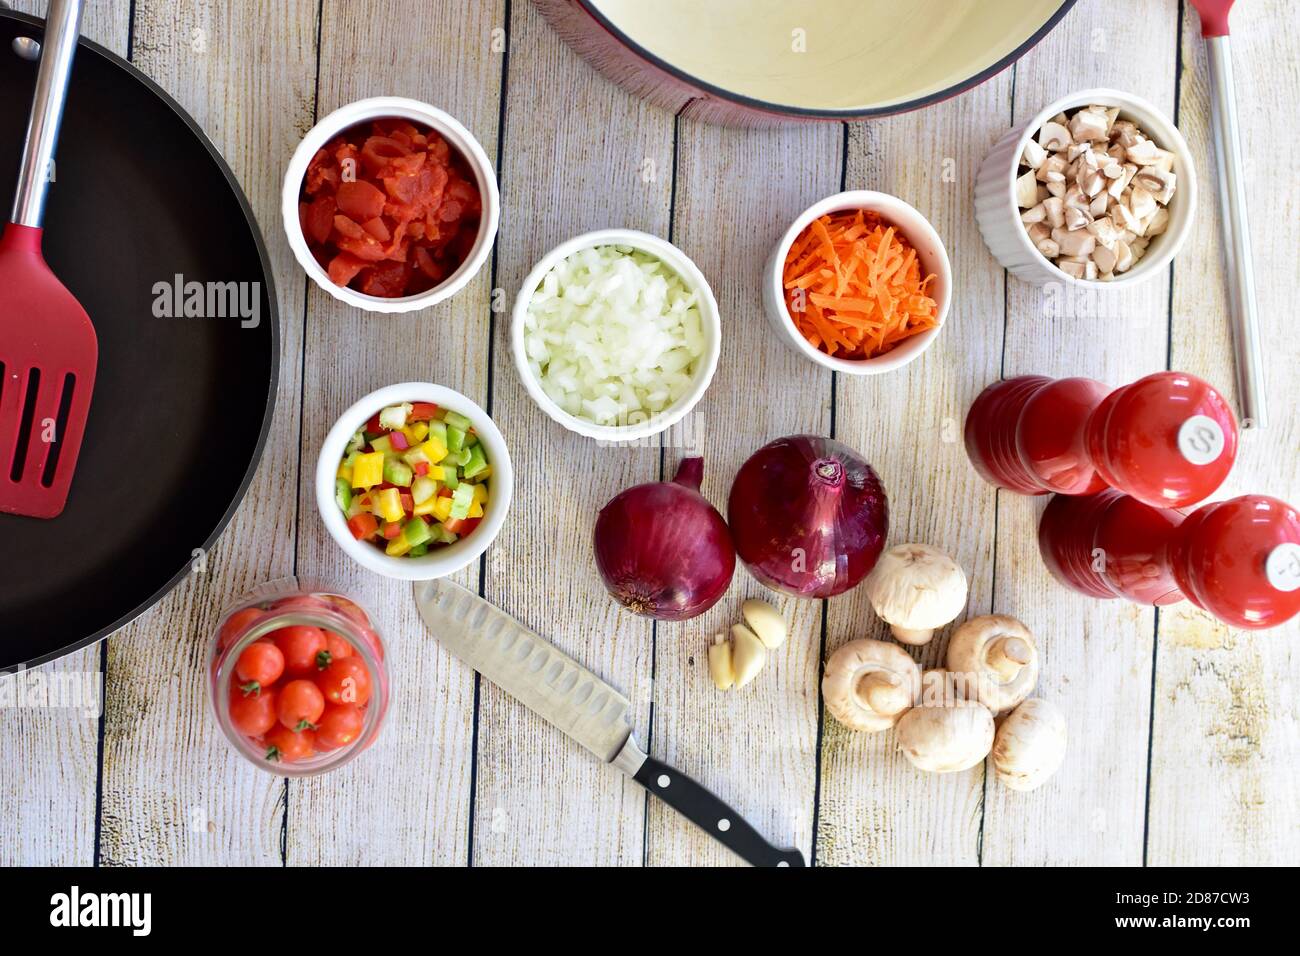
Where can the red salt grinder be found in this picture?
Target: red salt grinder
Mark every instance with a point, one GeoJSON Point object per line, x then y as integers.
{"type": "Point", "coordinates": [1169, 439]}
{"type": "Point", "coordinates": [1237, 559]}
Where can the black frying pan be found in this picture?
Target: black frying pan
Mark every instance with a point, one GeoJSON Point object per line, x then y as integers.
{"type": "Point", "coordinates": [181, 405]}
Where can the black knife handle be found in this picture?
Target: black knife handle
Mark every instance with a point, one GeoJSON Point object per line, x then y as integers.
{"type": "Point", "coordinates": [711, 815]}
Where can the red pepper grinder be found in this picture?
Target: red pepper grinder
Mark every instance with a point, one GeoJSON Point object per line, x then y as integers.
{"type": "Point", "coordinates": [1169, 439]}
{"type": "Point", "coordinates": [1238, 559]}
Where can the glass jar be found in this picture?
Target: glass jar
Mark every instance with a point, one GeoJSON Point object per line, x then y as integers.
{"type": "Point", "coordinates": [318, 637]}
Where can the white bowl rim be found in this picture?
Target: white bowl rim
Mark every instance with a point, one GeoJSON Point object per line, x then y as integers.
{"type": "Point", "coordinates": [889, 207]}
{"type": "Point", "coordinates": [460, 138]}
{"type": "Point", "coordinates": [685, 267]}
{"type": "Point", "coordinates": [443, 561]}
{"type": "Point", "coordinates": [1168, 134]}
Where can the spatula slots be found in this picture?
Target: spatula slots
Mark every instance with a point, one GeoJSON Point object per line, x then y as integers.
{"type": "Point", "coordinates": [48, 349]}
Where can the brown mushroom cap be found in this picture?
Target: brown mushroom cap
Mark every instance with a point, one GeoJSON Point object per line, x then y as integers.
{"type": "Point", "coordinates": [869, 684]}
{"type": "Point", "coordinates": [998, 657]}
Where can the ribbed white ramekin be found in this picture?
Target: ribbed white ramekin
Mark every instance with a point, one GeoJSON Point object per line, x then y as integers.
{"type": "Point", "coordinates": [999, 216]}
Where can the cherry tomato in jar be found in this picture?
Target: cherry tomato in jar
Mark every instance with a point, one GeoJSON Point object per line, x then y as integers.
{"type": "Point", "coordinates": [299, 704]}
{"type": "Point", "coordinates": [289, 746]}
{"type": "Point", "coordinates": [336, 649]}
{"type": "Point", "coordinates": [300, 602]}
{"type": "Point", "coordinates": [259, 666]}
{"type": "Point", "coordinates": [339, 726]}
{"type": "Point", "coordinates": [299, 644]}
{"type": "Point", "coordinates": [345, 682]}
{"type": "Point", "coordinates": [372, 641]}
{"type": "Point", "coordinates": [253, 714]}
{"type": "Point", "coordinates": [236, 624]}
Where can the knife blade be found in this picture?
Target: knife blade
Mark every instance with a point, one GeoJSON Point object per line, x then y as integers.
{"type": "Point", "coordinates": [582, 705]}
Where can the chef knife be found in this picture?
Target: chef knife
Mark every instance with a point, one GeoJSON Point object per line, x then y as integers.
{"type": "Point", "coordinates": [592, 712]}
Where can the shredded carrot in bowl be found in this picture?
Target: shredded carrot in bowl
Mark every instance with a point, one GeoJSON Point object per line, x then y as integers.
{"type": "Point", "coordinates": [853, 286]}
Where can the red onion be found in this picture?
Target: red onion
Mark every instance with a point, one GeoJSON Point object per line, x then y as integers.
{"type": "Point", "coordinates": [808, 515]}
{"type": "Point", "coordinates": [663, 550]}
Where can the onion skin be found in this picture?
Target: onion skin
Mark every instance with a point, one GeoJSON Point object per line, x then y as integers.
{"type": "Point", "coordinates": [662, 550]}
{"type": "Point", "coordinates": [808, 515]}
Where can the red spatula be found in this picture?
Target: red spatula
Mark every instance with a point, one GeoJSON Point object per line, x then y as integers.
{"type": "Point", "coordinates": [47, 344]}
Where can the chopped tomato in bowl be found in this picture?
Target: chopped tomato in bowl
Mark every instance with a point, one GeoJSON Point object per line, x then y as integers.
{"type": "Point", "coordinates": [390, 204]}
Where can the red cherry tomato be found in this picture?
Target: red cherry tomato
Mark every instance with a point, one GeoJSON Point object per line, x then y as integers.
{"type": "Point", "coordinates": [345, 682]}
{"type": "Point", "coordinates": [299, 704]}
{"type": "Point", "coordinates": [235, 625]}
{"type": "Point", "coordinates": [260, 665]}
{"type": "Point", "coordinates": [300, 645]}
{"type": "Point", "coordinates": [373, 642]}
{"type": "Point", "coordinates": [336, 649]}
{"type": "Point", "coordinates": [303, 602]}
{"type": "Point", "coordinates": [348, 609]}
{"type": "Point", "coordinates": [253, 714]}
{"type": "Point", "coordinates": [339, 726]}
{"type": "Point", "coordinates": [288, 746]}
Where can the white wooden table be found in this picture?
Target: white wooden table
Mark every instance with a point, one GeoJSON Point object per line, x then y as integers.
{"type": "Point", "coordinates": [1185, 742]}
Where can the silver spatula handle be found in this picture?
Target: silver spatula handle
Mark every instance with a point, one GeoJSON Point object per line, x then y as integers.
{"type": "Point", "coordinates": [1236, 235]}
{"type": "Point", "coordinates": [62, 27]}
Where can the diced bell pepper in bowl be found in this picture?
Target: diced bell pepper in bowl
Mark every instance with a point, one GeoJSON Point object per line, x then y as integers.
{"type": "Point", "coordinates": [413, 479]}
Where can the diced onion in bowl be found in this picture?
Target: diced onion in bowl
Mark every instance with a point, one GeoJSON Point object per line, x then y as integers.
{"type": "Point", "coordinates": [613, 335]}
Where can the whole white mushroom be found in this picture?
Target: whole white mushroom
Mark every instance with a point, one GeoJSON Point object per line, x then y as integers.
{"type": "Point", "coordinates": [1030, 745]}
{"type": "Point", "coordinates": [869, 684]}
{"type": "Point", "coordinates": [945, 733]}
{"type": "Point", "coordinates": [998, 659]}
{"type": "Point", "coordinates": [916, 589]}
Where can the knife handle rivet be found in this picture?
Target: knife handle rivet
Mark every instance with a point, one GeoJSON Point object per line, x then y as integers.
{"type": "Point", "coordinates": [724, 824]}
{"type": "Point", "coordinates": [663, 780]}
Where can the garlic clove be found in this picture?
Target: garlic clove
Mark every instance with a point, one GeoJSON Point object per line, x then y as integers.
{"type": "Point", "coordinates": [721, 669]}
{"type": "Point", "coordinates": [748, 655]}
{"type": "Point", "coordinates": [765, 621]}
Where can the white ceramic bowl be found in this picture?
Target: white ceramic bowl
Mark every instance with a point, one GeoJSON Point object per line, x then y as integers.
{"type": "Point", "coordinates": [912, 226]}
{"type": "Point", "coordinates": [999, 216]}
{"type": "Point", "coordinates": [680, 263]}
{"type": "Point", "coordinates": [456, 135]}
{"type": "Point", "coordinates": [440, 562]}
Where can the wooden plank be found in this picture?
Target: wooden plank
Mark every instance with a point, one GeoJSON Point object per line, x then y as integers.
{"type": "Point", "coordinates": [1225, 788]}
{"type": "Point", "coordinates": [580, 154]}
{"type": "Point", "coordinates": [419, 771]}
{"type": "Point", "coordinates": [908, 424]}
{"type": "Point", "coordinates": [1096, 655]}
{"type": "Point", "coordinates": [173, 792]}
{"type": "Point", "coordinates": [51, 754]}
{"type": "Point", "coordinates": [737, 192]}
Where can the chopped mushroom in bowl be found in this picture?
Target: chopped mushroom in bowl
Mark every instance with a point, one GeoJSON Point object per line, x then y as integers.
{"type": "Point", "coordinates": [1097, 189]}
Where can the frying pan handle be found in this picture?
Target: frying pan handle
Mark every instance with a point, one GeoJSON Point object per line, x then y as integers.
{"type": "Point", "coordinates": [62, 27]}
{"type": "Point", "coordinates": [712, 815]}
